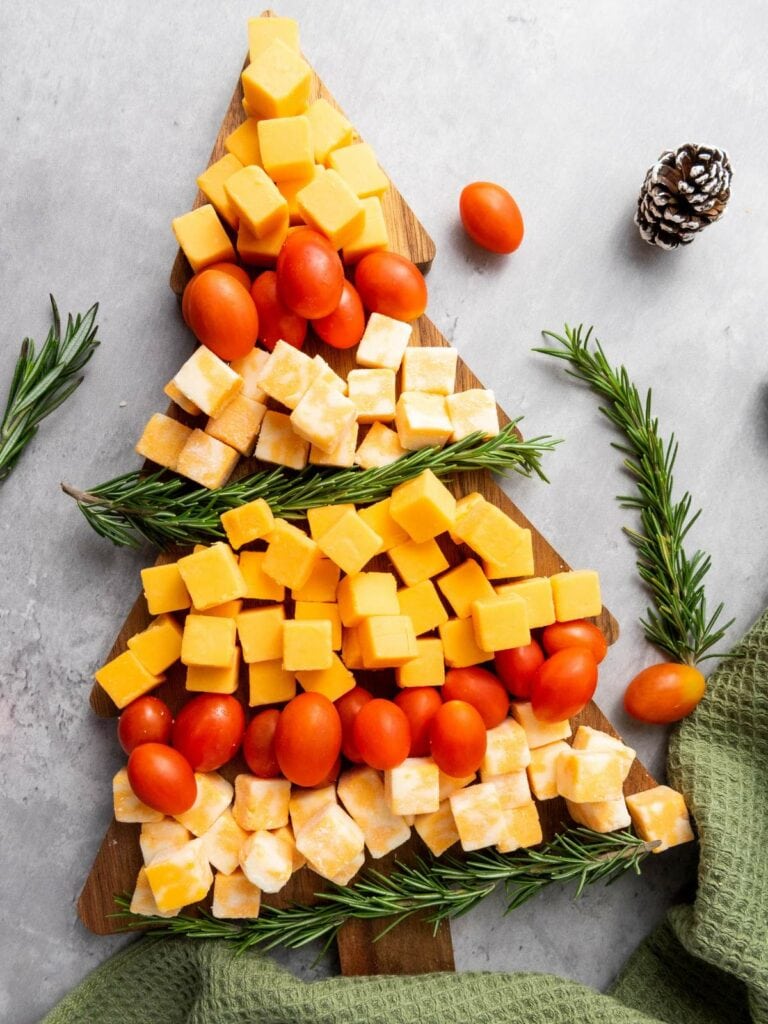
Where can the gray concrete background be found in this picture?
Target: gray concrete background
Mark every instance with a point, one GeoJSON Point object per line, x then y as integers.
{"type": "Point", "coordinates": [107, 114]}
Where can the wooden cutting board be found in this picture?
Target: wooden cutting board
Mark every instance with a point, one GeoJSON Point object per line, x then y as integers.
{"type": "Point", "coordinates": [411, 948]}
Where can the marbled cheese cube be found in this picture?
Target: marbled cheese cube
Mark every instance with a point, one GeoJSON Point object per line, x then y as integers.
{"type": "Point", "coordinates": [478, 816]}
{"type": "Point", "coordinates": [365, 594]}
{"type": "Point", "coordinates": [513, 789]}
{"type": "Point", "coordinates": [430, 369]}
{"type": "Point", "coordinates": [214, 795]}
{"type": "Point", "coordinates": [517, 560]}
{"type": "Point", "coordinates": [323, 517]}
{"type": "Point", "coordinates": [322, 584]}
{"type": "Point", "coordinates": [180, 877]}
{"type": "Point", "coordinates": [372, 236]}
{"type": "Point", "coordinates": [373, 393]}
{"type": "Point", "coordinates": [266, 860]}
{"type": "Point", "coordinates": [330, 129]}
{"type": "Point", "coordinates": [438, 830]}
{"type": "Point", "coordinates": [464, 585]}
{"type": "Point", "coordinates": [270, 683]}
{"type": "Point", "coordinates": [235, 897]}
{"type": "Point", "coordinates": [313, 610]}
{"type": "Point", "coordinates": [427, 668]}
{"type": "Point", "coordinates": [222, 843]}
{"type": "Point", "coordinates": [537, 594]}
{"type": "Point", "coordinates": [307, 645]}
{"type": "Point", "coordinates": [162, 440]}
{"type": "Point", "coordinates": [212, 576]}
{"type": "Point", "coordinates": [380, 447]}
{"type": "Point", "coordinates": [278, 442]}
{"type": "Point", "coordinates": [176, 396]}
{"type": "Point", "coordinates": [342, 455]}
{"type": "Point", "coordinates": [383, 343]}
{"type": "Point", "coordinates": [506, 750]}
{"type": "Point", "coordinates": [660, 814]}
{"type": "Point", "coordinates": [287, 374]}
{"type": "Point", "coordinates": [261, 803]}
{"type": "Point", "coordinates": [448, 784]}
{"type": "Point", "coordinates": [576, 594]}
{"type": "Point", "coordinates": [291, 555]}
{"type": "Point", "coordinates": [202, 238]}
{"type": "Point", "coordinates": [380, 520]}
{"type": "Point", "coordinates": [601, 816]}
{"type": "Point", "coordinates": [127, 805]}
{"type": "Point", "coordinates": [542, 773]}
{"type": "Point", "coordinates": [345, 873]}
{"type": "Point", "coordinates": [471, 411]}
{"type": "Point", "coordinates": [159, 645]}
{"type": "Point", "coordinates": [330, 840]}
{"type": "Point", "coordinates": [238, 424]}
{"type": "Point", "coordinates": [520, 829]}
{"type": "Point", "coordinates": [325, 373]}
{"type": "Point", "coordinates": [500, 622]}
{"type": "Point", "coordinates": [350, 543]}
{"type": "Point", "coordinates": [124, 679]}
{"type": "Point", "coordinates": [362, 792]}
{"type": "Point", "coordinates": [587, 738]}
{"type": "Point", "coordinates": [285, 832]}
{"type": "Point", "coordinates": [587, 776]}
{"type": "Point", "coordinates": [459, 645]}
{"type": "Point", "coordinates": [323, 415]}
{"type": "Point", "coordinates": [164, 589]}
{"type": "Point", "coordinates": [332, 682]}
{"type": "Point", "coordinates": [206, 460]}
{"type": "Point", "coordinates": [207, 381]}
{"type": "Point", "coordinates": [538, 733]}
{"type": "Point", "coordinates": [305, 803]}
{"type": "Point", "coordinates": [160, 837]}
{"type": "Point", "coordinates": [423, 606]}
{"type": "Point", "coordinates": [250, 367]}
{"type": "Point", "coordinates": [413, 787]}
{"type": "Point", "coordinates": [143, 902]}
{"type": "Point", "coordinates": [204, 679]}
{"type": "Point", "coordinates": [422, 420]}
{"type": "Point", "coordinates": [416, 562]}
{"type": "Point", "coordinates": [260, 586]}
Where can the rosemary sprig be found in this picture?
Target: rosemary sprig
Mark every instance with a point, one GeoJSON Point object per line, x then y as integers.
{"type": "Point", "coordinates": [42, 381]}
{"type": "Point", "coordinates": [168, 510]}
{"type": "Point", "coordinates": [679, 622]}
{"type": "Point", "coordinates": [440, 889]}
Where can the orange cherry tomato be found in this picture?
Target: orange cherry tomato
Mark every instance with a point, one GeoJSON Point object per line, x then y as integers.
{"type": "Point", "coordinates": [382, 734]}
{"type": "Point", "coordinates": [664, 693]}
{"type": "Point", "coordinates": [457, 739]}
{"type": "Point", "coordinates": [310, 276]}
{"type": "Point", "coordinates": [308, 739]}
{"type": "Point", "coordinates": [577, 633]}
{"type": "Point", "coordinates": [564, 684]}
{"type": "Point", "coordinates": [420, 704]}
{"type": "Point", "coordinates": [208, 730]}
{"type": "Point", "coordinates": [343, 328]}
{"type": "Point", "coordinates": [222, 314]}
{"type": "Point", "coordinates": [390, 284]}
{"type": "Point", "coordinates": [517, 667]}
{"type": "Point", "coordinates": [162, 778]}
{"type": "Point", "coordinates": [145, 720]}
{"type": "Point", "coordinates": [276, 321]}
{"type": "Point", "coordinates": [348, 706]}
{"type": "Point", "coordinates": [226, 268]}
{"type": "Point", "coordinates": [481, 689]}
{"type": "Point", "coordinates": [491, 217]}
{"type": "Point", "coordinates": [259, 744]}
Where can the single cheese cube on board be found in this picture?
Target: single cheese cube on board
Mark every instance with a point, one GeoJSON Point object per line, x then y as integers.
{"type": "Point", "coordinates": [180, 877]}
{"type": "Point", "coordinates": [234, 897]}
{"type": "Point", "coordinates": [478, 816]}
{"type": "Point", "coordinates": [383, 343]}
{"type": "Point", "coordinates": [459, 646]}
{"type": "Point", "coordinates": [243, 143]}
{"type": "Point", "coordinates": [277, 81]}
{"type": "Point", "coordinates": [214, 795]}
{"type": "Point", "coordinates": [287, 374]}
{"type": "Point", "coordinates": [290, 189]}
{"type": "Point", "coordinates": [159, 837]}
{"type": "Point", "coordinates": [325, 373]}
{"type": "Point", "coordinates": [238, 424]}
{"type": "Point", "coordinates": [206, 460]}
{"type": "Point", "coordinates": [380, 447]}
{"type": "Point", "coordinates": [346, 872]}
{"type": "Point", "coordinates": [538, 733]}
{"type": "Point", "coordinates": [449, 784]}
{"type": "Point", "coordinates": [307, 645]}
{"type": "Point", "coordinates": [413, 787]}
{"type": "Point", "coordinates": [270, 683]}
{"type": "Point", "coordinates": [361, 790]}
{"type": "Point", "coordinates": [438, 830]}
{"type": "Point", "coordinates": [330, 206]}
{"type": "Point", "coordinates": [332, 682]}
{"type": "Point", "coordinates": [500, 622]}
{"type": "Point", "coordinates": [279, 444]}
{"type": "Point", "coordinates": [587, 738]}
{"type": "Point", "coordinates": [537, 594]}
{"type": "Point", "coordinates": [416, 562]}
{"type": "Point", "coordinates": [182, 401]}
{"type": "Point", "coordinates": [248, 522]}
{"type": "Point", "coordinates": [257, 200]}
{"type": "Point", "coordinates": [286, 833]}
{"type": "Point", "coordinates": [660, 814]}
{"type": "Point", "coordinates": [263, 250]}
{"type": "Point", "coordinates": [204, 679]}
{"type": "Point", "coordinates": [261, 803]}
{"type": "Point", "coordinates": [286, 147]}
{"type": "Point", "coordinates": [323, 415]}
{"type": "Point", "coordinates": [587, 776]}
{"type": "Point", "coordinates": [351, 654]}
{"type": "Point", "coordinates": [158, 646]}
{"type": "Point", "coordinates": [472, 411]}
{"type": "Point", "coordinates": [314, 610]}
{"type": "Point", "coordinates": [387, 641]}
{"type": "Point", "coordinates": [463, 586]}
{"type": "Point", "coordinates": [330, 840]}
{"type": "Point", "coordinates": [358, 166]}
{"type": "Point", "coordinates": [202, 238]}
{"type": "Point", "coordinates": [266, 860]}
{"type": "Point", "coordinates": [250, 368]}
{"type": "Point", "coordinates": [576, 594]}
{"type": "Point", "coordinates": [427, 668]}
{"type": "Point", "coordinates": [260, 631]}
{"type": "Point", "coordinates": [211, 184]}
{"type": "Point", "coordinates": [127, 806]}
{"type": "Point", "coordinates": [422, 420]}
{"type": "Point", "coordinates": [486, 529]}
{"type": "Point", "coordinates": [517, 561]}
{"type": "Point", "coordinates": [208, 641]}
{"type": "Point", "coordinates": [373, 393]}
{"type": "Point", "coordinates": [262, 32]}
{"type": "Point", "coordinates": [513, 789]}
{"type": "Point", "coordinates": [542, 771]}
{"type": "Point", "coordinates": [322, 518]}
{"type": "Point", "coordinates": [125, 678]}
{"type": "Point", "coordinates": [330, 129]}
{"type": "Point", "coordinates": [430, 369]}
{"type": "Point", "coordinates": [521, 828]}
{"type": "Point", "coordinates": [322, 583]}
{"type": "Point", "coordinates": [291, 555]}
{"type": "Point", "coordinates": [260, 586]}
{"type": "Point", "coordinates": [365, 594]}
{"type": "Point", "coordinates": [143, 902]}
{"type": "Point", "coordinates": [372, 235]}
{"type": "Point", "coordinates": [350, 543]}
{"type": "Point", "coordinates": [212, 576]}
{"type": "Point", "coordinates": [506, 750]}
{"type": "Point", "coordinates": [207, 381]}
{"type": "Point", "coordinates": [162, 440]}
{"type": "Point", "coordinates": [305, 803]}
{"type": "Point", "coordinates": [342, 455]}
{"type": "Point", "coordinates": [423, 506]}
{"type": "Point", "coordinates": [164, 589]}
{"type": "Point", "coordinates": [601, 816]}
{"type": "Point", "coordinates": [380, 520]}
{"type": "Point", "coordinates": [423, 607]}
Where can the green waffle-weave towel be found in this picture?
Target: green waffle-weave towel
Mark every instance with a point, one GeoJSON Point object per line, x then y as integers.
{"type": "Point", "coordinates": [707, 964]}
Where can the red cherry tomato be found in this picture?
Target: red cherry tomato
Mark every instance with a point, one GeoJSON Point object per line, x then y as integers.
{"type": "Point", "coordinates": [564, 684]}
{"type": "Point", "coordinates": [348, 706]}
{"type": "Point", "coordinates": [517, 667]}
{"type": "Point", "coordinates": [382, 734]}
{"type": "Point", "coordinates": [162, 778]}
{"type": "Point", "coordinates": [310, 277]}
{"type": "Point", "coordinates": [482, 690]}
{"type": "Point", "coordinates": [344, 327]}
{"type": "Point", "coordinates": [146, 720]}
{"type": "Point", "coordinates": [491, 217]}
{"type": "Point", "coordinates": [664, 693]}
{"type": "Point", "coordinates": [333, 774]}
{"type": "Point", "coordinates": [259, 744]}
{"type": "Point", "coordinates": [457, 739]}
{"type": "Point", "coordinates": [222, 314]}
{"type": "Point", "coordinates": [233, 270]}
{"type": "Point", "coordinates": [308, 739]}
{"type": "Point", "coordinates": [208, 730]}
{"type": "Point", "coordinates": [577, 633]}
{"type": "Point", "coordinates": [420, 704]}
{"type": "Point", "coordinates": [392, 285]}
{"type": "Point", "coordinates": [276, 321]}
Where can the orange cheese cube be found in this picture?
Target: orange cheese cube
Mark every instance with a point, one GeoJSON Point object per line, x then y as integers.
{"type": "Point", "coordinates": [277, 81]}
{"type": "Point", "coordinates": [235, 897]}
{"type": "Point", "coordinates": [587, 738]}
{"type": "Point", "coordinates": [413, 787]}
{"type": "Point", "coordinates": [266, 860]}
{"type": "Point", "coordinates": [279, 443]}
{"type": "Point", "coordinates": [227, 610]}
{"type": "Point", "coordinates": [365, 594]}
{"type": "Point", "coordinates": [323, 415]}
{"type": "Point", "coordinates": [381, 522]}
{"type": "Point", "coordinates": [500, 622]}
{"type": "Point", "coordinates": [212, 576]}
{"type": "Point", "coordinates": [463, 506]}
{"type": "Point", "coordinates": [538, 733]}
{"type": "Point", "coordinates": [660, 814]}
{"type": "Point", "coordinates": [305, 804]}
{"type": "Point", "coordinates": [350, 543]}
{"type": "Point", "coordinates": [383, 343]}
{"type": "Point", "coordinates": [260, 586]}
{"type": "Point", "coordinates": [238, 424]}
{"type": "Point", "coordinates": [332, 682]}
{"type": "Point", "coordinates": [261, 633]}
{"type": "Point", "coordinates": [250, 368]}
{"type": "Point", "coordinates": [486, 529]}
{"type": "Point", "coordinates": [261, 251]}
{"type": "Point", "coordinates": [473, 411]}
{"type": "Point", "coordinates": [513, 789]}
{"type": "Point", "coordinates": [601, 816]}
{"type": "Point", "coordinates": [506, 750]}
{"type": "Point", "coordinates": [459, 646]}
{"type": "Point", "coordinates": [243, 143]}
{"type": "Point", "coordinates": [248, 522]}
{"type": "Point", "coordinates": [211, 184]}
{"type": "Point", "coordinates": [361, 790]}
{"type": "Point", "coordinates": [430, 369]}
{"type": "Point", "coordinates": [357, 165]}
{"type": "Point", "coordinates": [520, 829]}
{"type": "Point", "coordinates": [438, 830]}
{"type": "Point", "coordinates": [373, 393]}
{"type": "Point", "coordinates": [261, 803]}
{"type": "Point", "coordinates": [341, 455]}
{"type": "Point", "coordinates": [319, 610]}
{"type": "Point", "coordinates": [202, 238]}
{"type": "Point", "coordinates": [542, 773]}
{"type": "Point", "coordinates": [307, 645]}
{"type": "Point", "coordinates": [330, 129]}
{"type": "Point", "coordinates": [330, 206]}
{"type": "Point", "coordinates": [330, 840]}
{"type": "Point", "coordinates": [203, 679]}
{"type": "Point", "coordinates": [206, 460]}
{"type": "Point", "coordinates": [351, 654]}
{"type": "Point", "coordinates": [255, 197]}
{"type": "Point", "coordinates": [182, 401]}
{"type": "Point", "coordinates": [449, 784]}
{"type": "Point", "coordinates": [478, 816]}
{"type": "Point", "coordinates": [321, 585]}
{"type": "Point", "coordinates": [270, 683]}
{"type": "Point", "coordinates": [576, 594]}
{"type": "Point", "coordinates": [286, 148]}
{"type": "Point", "coordinates": [181, 877]}
{"type": "Point", "coordinates": [587, 776]}
{"type": "Point", "coordinates": [124, 678]}
{"type": "Point", "coordinates": [290, 189]}
{"type": "Point", "coordinates": [518, 561]}
{"type": "Point", "coordinates": [158, 646]}
{"type": "Point", "coordinates": [143, 902]}
{"type": "Point", "coordinates": [214, 795]}
{"type": "Point", "coordinates": [387, 641]}
{"type": "Point", "coordinates": [426, 669]}
{"type": "Point", "coordinates": [158, 837]}
{"type": "Point", "coordinates": [287, 374]}
{"type": "Point", "coordinates": [537, 594]}
{"type": "Point", "coordinates": [423, 606]}
{"type": "Point", "coordinates": [422, 420]}
{"type": "Point", "coordinates": [322, 518]}
{"type": "Point", "coordinates": [164, 589]}
{"type": "Point", "coordinates": [291, 555]}
{"type": "Point", "coordinates": [207, 381]}
{"type": "Point", "coordinates": [416, 562]}
{"type": "Point", "coordinates": [162, 440]}
{"type": "Point", "coordinates": [262, 32]}
{"type": "Point", "coordinates": [371, 236]}
{"type": "Point", "coordinates": [381, 447]}
{"type": "Point", "coordinates": [208, 641]}
{"type": "Point", "coordinates": [127, 806]}
{"type": "Point", "coordinates": [463, 586]}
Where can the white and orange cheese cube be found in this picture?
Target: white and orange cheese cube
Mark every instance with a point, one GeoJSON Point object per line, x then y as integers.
{"type": "Point", "coordinates": [206, 460]}
{"type": "Point", "coordinates": [430, 369]}
{"type": "Point", "coordinates": [235, 897]}
{"type": "Point", "coordinates": [266, 860]}
{"type": "Point", "coordinates": [207, 381]}
{"type": "Point", "coordinates": [472, 411]}
{"type": "Point", "coordinates": [513, 789]}
{"type": "Point", "coordinates": [325, 373]}
{"type": "Point", "coordinates": [261, 803]}
{"type": "Point", "coordinates": [587, 738]}
{"type": "Point", "coordinates": [438, 830]}
{"type": "Point", "coordinates": [238, 424]}
{"type": "Point", "coordinates": [346, 872]}
{"type": "Point", "coordinates": [422, 420]}
{"type": "Point", "coordinates": [602, 815]}
{"type": "Point", "coordinates": [331, 840]}
{"type": "Point", "coordinates": [176, 396]}
{"type": "Point", "coordinates": [350, 543]}
{"type": "Point", "coordinates": [537, 594]}
{"type": "Point", "coordinates": [305, 803]}
{"type": "Point", "coordinates": [279, 443]}
{"type": "Point", "coordinates": [449, 784]}
{"type": "Point", "coordinates": [270, 683]}
{"type": "Point", "coordinates": [660, 814]}
{"type": "Point", "coordinates": [576, 594]}
{"type": "Point", "coordinates": [332, 682]}
{"type": "Point", "coordinates": [222, 842]}
{"type": "Point", "coordinates": [342, 455]}
{"type": "Point", "coordinates": [285, 832]}
{"type": "Point", "coordinates": [380, 447]}
{"type": "Point", "coordinates": [127, 806]}
{"type": "Point", "coordinates": [373, 393]}
{"type": "Point", "coordinates": [538, 733]}
{"type": "Point", "coordinates": [287, 374]}
{"type": "Point", "coordinates": [158, 837]}
{"type": "Point", "coordinates": [362, 792]}
{"type": "Point", "coordinates": [323, 415]}
{"type": "Point", "coordinates": [383, 343]}
{"type": "Point", "coordinates": [413, 787]}
{"type": "Point", "coordinates": [250, 367]}
{"type": "Point", "coordinates": [542, 771]}
{"type": "Point", "coordinates": [520, 829]}
{"type": "Point", "coordinates": [143, 902]}
{"type": "Point", "coordinates": [478, 815]}
{"type": "Point", "coordinates": [214, 795]}
{"type": "Point", "coordinates": [180, 877]}
{"type": "Point", "coordinates": [589, 776]}
{"type": "Point", "coordinates": [506, 750]}
{"type": "Point", "coordinates": [162, 440]}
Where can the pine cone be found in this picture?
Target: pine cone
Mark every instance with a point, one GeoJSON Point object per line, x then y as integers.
{"type": "Point", "coordinates": [683, 192]}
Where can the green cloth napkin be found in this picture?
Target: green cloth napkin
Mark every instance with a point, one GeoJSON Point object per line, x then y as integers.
{"type": "Point", "coordinates": [708, 963]}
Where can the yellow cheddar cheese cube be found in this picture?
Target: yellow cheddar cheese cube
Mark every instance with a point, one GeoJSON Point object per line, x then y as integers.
{"type": "Point", "coordinates": [162, 440]}
{"type": "Point", "coordinates": [459, 646]}
{"type": "Point", "coordinates": [416, 562]}
{"type": "Point", "coordinates": [422, 420]}
{"type": "Point", "coordinates": [521, 828]}
{"type": "Point", "coordinates": [234, 897]}
{"type": "Point", "coordinates": [243, 143]}
{"type": "Point", "coordinates": [463, 586]}
{"type": "Point", "coordinates": [427, 668]}
{"type": "Point", "coordinates": [330, 206]}
{"type": "Point", "coordinates": [206, 460]}
{"type": "Point", "coordinates": [270, 683]}
{"type": "Point", "coordinates": [277, 81]}
{"type": "Point", "coordinates": [307, 645]}
{"type": "Point", "coordinates": [430, 369]}
{"type": "Point", "coordinates": [351, 654]}
{"type": "Point", "coordinates": [202, 238]}
{"type": "Point", "coordinates": [383, 343]}
{"type": "Point", "coordinates": [322, 583]}
{"type": "Point", "coordinates": [537, 594]}
{"type": "Point", "coordinates": [204, 679]}
{"type": "Point", "coordinates": [227, 610]}
{"type": "Point", "coordinates": [330, 129]}
{"type": "Point", "coordinates": [323, 415]}
{"type": "Point", "coordinates": [127, 806]}
{"type": "Point", "coordinates": [438, 830]}
{"type": "Point", "coordinates": [266, 860]}
{"type": "Point", "coordinates": [261, 803]}
{"type": "Point", "coordinates": [250, 368]}
{"type": "Point", "coordinates": [350, 543]}
{"type": "Point", "coordinates": [286, 833]}
{"type": "Point", "coordinates": [373, 394]}
{"type": "Point", "coordinates": [305, 803]}
{"type": "Point", "coordinates": [342, 455]}
{"type": "Point", "coordinates": [287, 374]}
{"type": "Point", "coordinates": [362, 793]}
{"type": "Point", "coordinates": [472, 411]}
{"type": "Point", "coordinates": [124, 678]}
{"type": "Point", "coordinates": [518, 560]}
{"type": "Point", "coordinates": [248, 522]}
{"type": "Point", "coordinates": [330, 840]}
{"type": "Point", "coordinates": [371, 236]}
{"type": "Point", "coordinates": [449, 784]}
{"type": "Point", "coordinates": [587, 776]}
{"type": "Point", "coordinates": [164, 589]}
{"type": "Point", "coordinates": [538, 733]}
{"type": "Point", "coordinates": [211, 184]}
{"type": "Point", "coordinates": [381, 447]}
{"type": "Point", "coordinates": [601, 816]}
{"type": "Point", "coordinates": [238, 424]}
{"type": "Point", "coordinates": [576, 594]}
{"type": "Point", "coordinates": [587, 738]}
{"type": "Point", "coordinates": [291, 555]}
{"type": "Point", "coordinates": [258, 203]}
{"type": "Point", "coordinates": [332, 682]}
{"type": "Point", "coordinates": [212, 576]}
{"type": "Point", "coordinates": [478, 816]}
{"type": "Point", "coordinates": [143, 902]}
{"type": "Point", "coordinates": [322, 518]}
{"type": "Point", "coordinates": [327, 610]}
{"type": "Point", "coordinates": [158, 646]}
{"type": "Point", "coordinates": [542, 774]}
{"type": "Point", "coordinates": [500, 622]}
{"type": "Point", "coordinates": [279, 443]}
{"type": "Point", "coordinates": [513, 789]}
{"type": "Point", "coordinates": [379, 519]}
{"type": "Point", "coordinates": [180, 877]}
{"type": "Point", "coordinates": [182, 401]}
{"type": "Point", "coordinates": [387, 641]}
{"type": "Point", "coordinates": [485, 528]}
{"type": "Point", "coordinates": [423, 607]}
{"type": "Point", "coordinates": [214, 795]}
{"type": "Point", "coordinates": [159, 837]}
{"type": "Point", "coordinates": [506, 750]}
{"type": "Point", "coordinates": [262, 32]}
{"type": "Point", "coordinates": [365, 594]}
{"type": "Point", "coordinates": [260, 586]}
{"type": "Point", "coordinates": [286, 148]}
{"type": "Point", "coordinates": [261, 633]}
{"type": "Point", "coordinates": [290, 189]}
{"type": "Point", "coordinates": [463, 505]}
{"type": "Point", "coordinates": [207, 381]}
{"type": "Point", "coordinates": [413, 787]}
{"type": "Point", "coordinates": [660, 814]}
{"type": "Point", "coordinates": [261, 251]}
{"type": "Point", "coordinates": [358, 166]}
